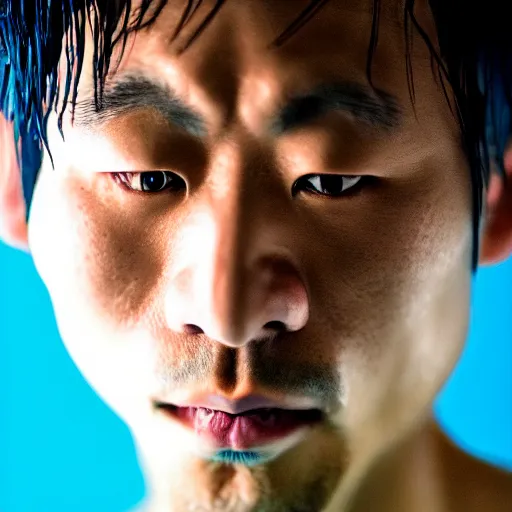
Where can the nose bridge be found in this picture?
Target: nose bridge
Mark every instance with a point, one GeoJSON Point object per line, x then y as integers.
{"type": "Point", "coordinates": [239, 211]}
{"type": "Point", "coordinates": [228, 264]}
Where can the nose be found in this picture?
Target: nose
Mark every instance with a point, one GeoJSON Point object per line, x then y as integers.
{"type": "Point", "coordinates": [235, 278]}
{"type": "Point", "coordinates": [236, 310]}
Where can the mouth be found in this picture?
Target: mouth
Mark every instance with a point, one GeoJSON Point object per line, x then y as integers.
{"type": "Point", "coordinates": [243, 431]}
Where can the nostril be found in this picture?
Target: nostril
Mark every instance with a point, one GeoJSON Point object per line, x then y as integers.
{"type": "Point", "coordinates": [192, 329]}
{"type": "Point", "coordinates": [275, 325]}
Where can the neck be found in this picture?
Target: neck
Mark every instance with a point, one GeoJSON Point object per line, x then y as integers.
{"type": "Point", "coordinates": [407, 477]}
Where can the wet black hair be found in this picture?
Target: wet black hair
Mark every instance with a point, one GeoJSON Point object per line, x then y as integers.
{"type": "Point", "coordinates": [472, 59]}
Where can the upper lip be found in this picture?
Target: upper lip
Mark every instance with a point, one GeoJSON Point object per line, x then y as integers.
{"type": "Point", "coordinates": [241, 405]}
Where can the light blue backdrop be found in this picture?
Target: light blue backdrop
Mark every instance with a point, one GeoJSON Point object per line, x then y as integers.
{"type": "Point", "coordinates": [62, 450]}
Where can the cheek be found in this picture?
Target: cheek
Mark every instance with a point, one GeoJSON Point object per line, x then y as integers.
{"type": "Point", "coordinates": [405, 301]}
{"type": "Point", "coordinates": [91, 258]}
{"type": "Point", "coordinates": [100, 280]}
{"type": "Point", "coordinates": [386, 261]}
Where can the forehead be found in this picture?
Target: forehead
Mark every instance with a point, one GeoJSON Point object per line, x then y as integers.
{"type": "Point", "coordinates": [233, 72]}
{"type": "Point", "coordinates": [285, 11]}
{"type": "Point", "coordinates": [330, 21]}
{"type": "Point", "coordinates": [238, 38]}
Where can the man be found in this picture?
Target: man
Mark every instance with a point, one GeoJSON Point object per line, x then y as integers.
{"type": "Point", "coordinates": [259, 236]}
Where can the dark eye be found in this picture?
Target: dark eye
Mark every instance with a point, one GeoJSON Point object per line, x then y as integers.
{"type": "Point", "coordinates": [150, 182]}
{"type": "Point", "coordinates": [329, 184]}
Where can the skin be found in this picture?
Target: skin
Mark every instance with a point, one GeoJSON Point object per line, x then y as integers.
{"type": "Point", "coordinates": [374, 289]}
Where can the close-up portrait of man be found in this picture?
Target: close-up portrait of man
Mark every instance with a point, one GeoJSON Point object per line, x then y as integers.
{"type": "Point", "coordinates": [258, 222]}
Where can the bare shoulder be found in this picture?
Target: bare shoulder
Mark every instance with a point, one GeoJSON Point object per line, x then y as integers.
{"type": "Point", "coordinates": [492, 486]}
{"type": "Point", "coordinates": [472, 484]}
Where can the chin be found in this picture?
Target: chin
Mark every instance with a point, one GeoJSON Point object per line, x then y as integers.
{"type": "Point", "coordinates": [299, 475]}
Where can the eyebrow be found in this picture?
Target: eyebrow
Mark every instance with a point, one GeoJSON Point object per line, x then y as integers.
{"type": "Point", "coordinates": [373, 107]}
{"type": "Point", "coordinates": [130, 92]}
{"type": "Point", "coordinates": [127, 93]}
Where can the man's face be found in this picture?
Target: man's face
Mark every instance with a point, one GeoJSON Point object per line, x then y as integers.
{"type": "Point", "coordinates": [315, 257]}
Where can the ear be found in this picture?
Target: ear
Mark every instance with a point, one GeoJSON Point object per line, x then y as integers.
{"type": "Point", "coordinates": [496, 243]}
{"type": "Point", "coordinates": [13, 225]}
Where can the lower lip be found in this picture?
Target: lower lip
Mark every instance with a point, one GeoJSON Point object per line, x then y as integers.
{"type": "Point", "coordinates": [243, 431]}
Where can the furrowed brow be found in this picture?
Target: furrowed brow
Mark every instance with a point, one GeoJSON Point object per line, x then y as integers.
{"type": "Point", "coordinates": [130, 92]}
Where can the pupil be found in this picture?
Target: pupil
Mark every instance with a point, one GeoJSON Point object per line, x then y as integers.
{"type": "Point", "coordinates": [153, 181]}
{"type": "Point", "coordinates": [332, 184]}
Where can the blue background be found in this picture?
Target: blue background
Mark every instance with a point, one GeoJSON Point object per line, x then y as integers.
{"type": "Point", "coordinates": [62, 449]}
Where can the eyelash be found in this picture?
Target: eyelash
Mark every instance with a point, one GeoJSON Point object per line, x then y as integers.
{"type": "Point", "coordinates": [123, 180]}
